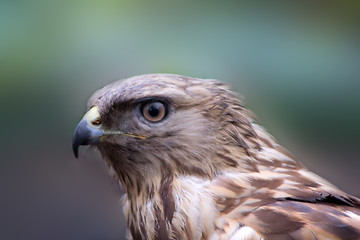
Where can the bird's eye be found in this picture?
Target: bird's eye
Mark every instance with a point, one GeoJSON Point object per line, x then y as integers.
{"type": "Point", "coordinates": [154, 111]}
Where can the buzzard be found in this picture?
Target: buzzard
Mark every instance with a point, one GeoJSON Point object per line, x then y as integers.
{"type": "Point", "coordinates": [195, 165]}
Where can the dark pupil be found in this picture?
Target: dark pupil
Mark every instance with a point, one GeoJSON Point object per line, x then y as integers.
{"type": "Point", "coordinates": [153, 110]}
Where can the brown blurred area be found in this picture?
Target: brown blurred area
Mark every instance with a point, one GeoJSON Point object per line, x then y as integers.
{"type": "Point", "coordinates": [296, 64]}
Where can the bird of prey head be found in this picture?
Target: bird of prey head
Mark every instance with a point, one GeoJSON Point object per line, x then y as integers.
{"type": "Point", "coordinates": [195, 165]}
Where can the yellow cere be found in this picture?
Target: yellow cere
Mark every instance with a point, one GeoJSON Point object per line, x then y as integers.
{"type": "Point", "coordinates": [92, 115]}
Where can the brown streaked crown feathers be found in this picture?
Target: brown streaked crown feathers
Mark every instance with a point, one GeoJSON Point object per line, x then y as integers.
{"type": "Point", "coordinates": [206, 169]}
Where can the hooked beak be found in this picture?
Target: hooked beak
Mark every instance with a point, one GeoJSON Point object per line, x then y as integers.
{"type": "Point", "coordinates": [88, 131]}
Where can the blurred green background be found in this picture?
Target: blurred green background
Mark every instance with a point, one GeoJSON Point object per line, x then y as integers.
{"type": "Point", "coordinates": [296, 63]}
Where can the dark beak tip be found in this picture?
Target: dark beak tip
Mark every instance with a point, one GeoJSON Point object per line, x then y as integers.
{"type": "Point", "coordinates": [84, 135]}
{"type": "Point", "coordinates": [75, 147]}
{"type": "Point", "coordinates": [77, 138]}
{"type": "Point", "coordinates": [76, 151]}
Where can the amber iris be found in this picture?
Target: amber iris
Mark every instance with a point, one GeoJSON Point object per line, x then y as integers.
{"type": "Point", "coordinates": [154, 111]}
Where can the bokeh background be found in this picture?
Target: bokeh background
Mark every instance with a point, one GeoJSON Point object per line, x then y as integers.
{"type": "Point", "coordinates": [296, 63]}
